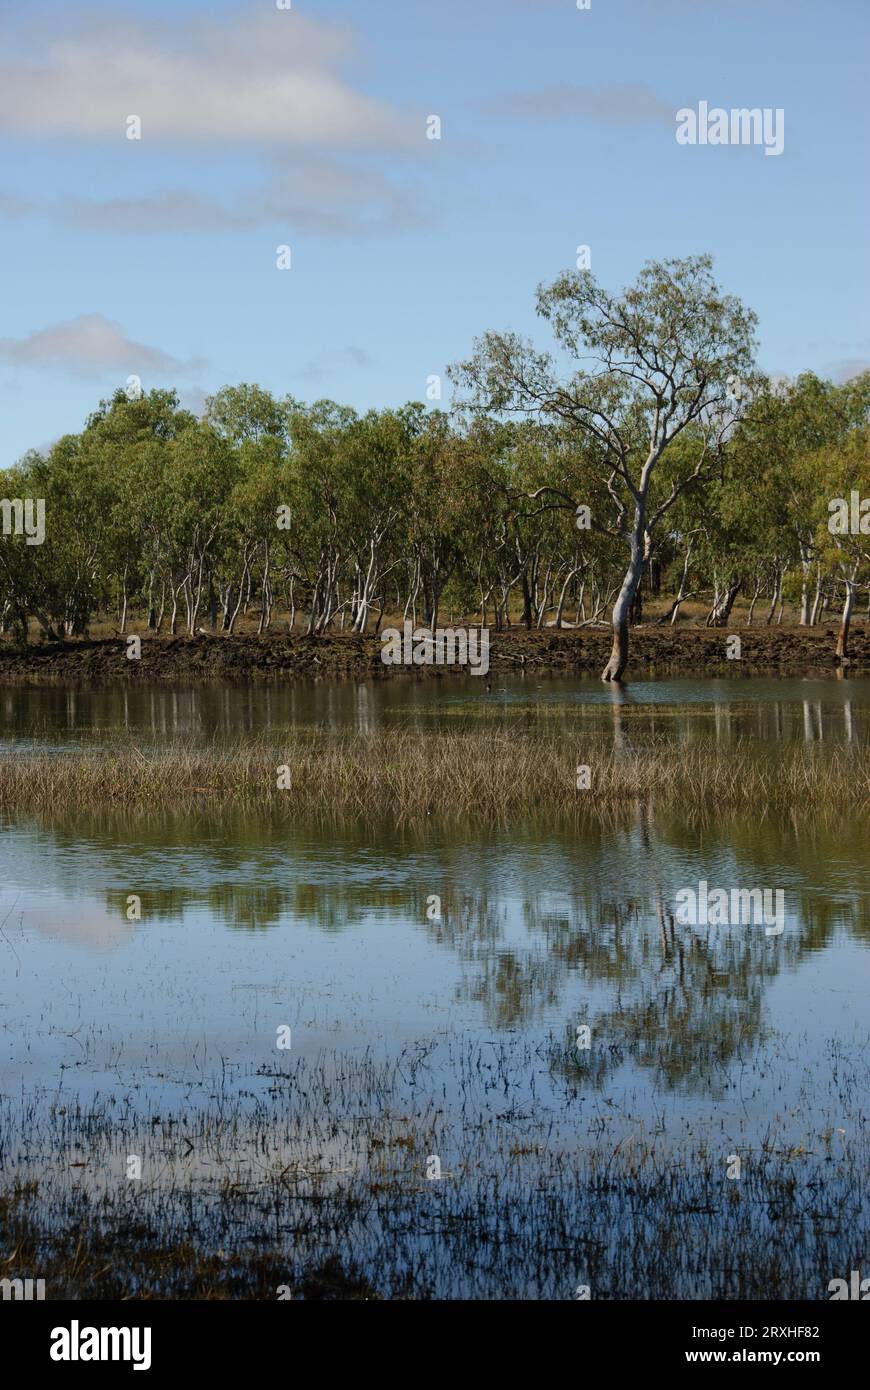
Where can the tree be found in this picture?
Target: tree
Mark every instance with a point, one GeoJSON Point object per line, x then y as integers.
{"type": "Point", "coordinates": [784, 423]}
{"type": "Point", "coordinates": [842, 528]}
{"type": "Point", "coordinates": [669, 352]}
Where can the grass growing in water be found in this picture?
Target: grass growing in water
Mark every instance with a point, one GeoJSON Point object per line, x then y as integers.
{"type": "Point", "coordinates": [314, 1177]}
{"type": "Point", "coordinates": [490, 774]}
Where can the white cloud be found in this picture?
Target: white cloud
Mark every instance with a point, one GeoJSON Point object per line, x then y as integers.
{"type": "Point", "coordinates": [611, 103]}
{"type": "Point", "coordinates": [336, 198]}
{"type": "Point", "coordinates": [846, 369]}
{"type": "Point", "coordinates": [319, 155]}
{"type": "Point", "coordinates": [88, 346]}
{"type": "Point", "coordinates": [194, 399]}
{"type": "Point", "coordinates": [267, 76]}
{"type": "Point", "coordinates": [159, 212]}
{"type": "Point", "coordinates": [325, 195]}
{"type": "Point", "coordinates": [349, 356]}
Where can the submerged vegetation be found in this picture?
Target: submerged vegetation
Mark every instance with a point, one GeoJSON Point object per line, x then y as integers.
{"type": "Point", "coordinates": [311, 1181]}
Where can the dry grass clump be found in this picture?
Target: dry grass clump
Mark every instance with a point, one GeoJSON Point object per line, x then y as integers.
{"type": "Point", "coordinates": [487, 774]}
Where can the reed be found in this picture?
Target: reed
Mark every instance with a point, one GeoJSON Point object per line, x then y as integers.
{"type": "Point", "coordinates": [406, 773]}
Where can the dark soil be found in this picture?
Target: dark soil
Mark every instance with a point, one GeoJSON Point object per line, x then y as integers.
{"type": "Point", "coordinates": [684, 650]}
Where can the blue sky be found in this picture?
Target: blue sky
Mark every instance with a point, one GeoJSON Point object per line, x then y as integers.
{"type": "Point", "coordinates": [307, 127]}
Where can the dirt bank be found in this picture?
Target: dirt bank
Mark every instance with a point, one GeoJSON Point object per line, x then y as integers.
{"type": "Point", "coordinates": [684, 651]}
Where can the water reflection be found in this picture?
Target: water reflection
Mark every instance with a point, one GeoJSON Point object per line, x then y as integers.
{"type": "Point", "coordinates": [249, 921]}
{"type": "Point", "coordinates": [787, 710]}
{"type": "Point", "coordinates": [538, 930]}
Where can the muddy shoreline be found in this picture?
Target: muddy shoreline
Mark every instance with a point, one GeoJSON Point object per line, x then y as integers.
{"type": "Point", "coordinates": [654, 650]}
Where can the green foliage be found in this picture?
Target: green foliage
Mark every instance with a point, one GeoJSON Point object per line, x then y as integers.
{"type": "Point", "coordinates": [343, 517]}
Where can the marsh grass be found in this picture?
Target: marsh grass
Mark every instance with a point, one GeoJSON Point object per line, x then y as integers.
{"type": "Point", "coordinates": [405, 774]}
{"type": "Point", "coordinates": [318, 1183]}
{"type": "Point", "coordinates": [312, 1176]}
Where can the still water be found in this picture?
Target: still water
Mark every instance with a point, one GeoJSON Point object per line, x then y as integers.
{"type": "Point", "coordinates": [247, 925]}
{"type": "Point", "coordinates": [766, 709]}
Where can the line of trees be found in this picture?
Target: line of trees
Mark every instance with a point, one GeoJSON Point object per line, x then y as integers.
{"type": "Point", "coordinates": [644, 456]}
